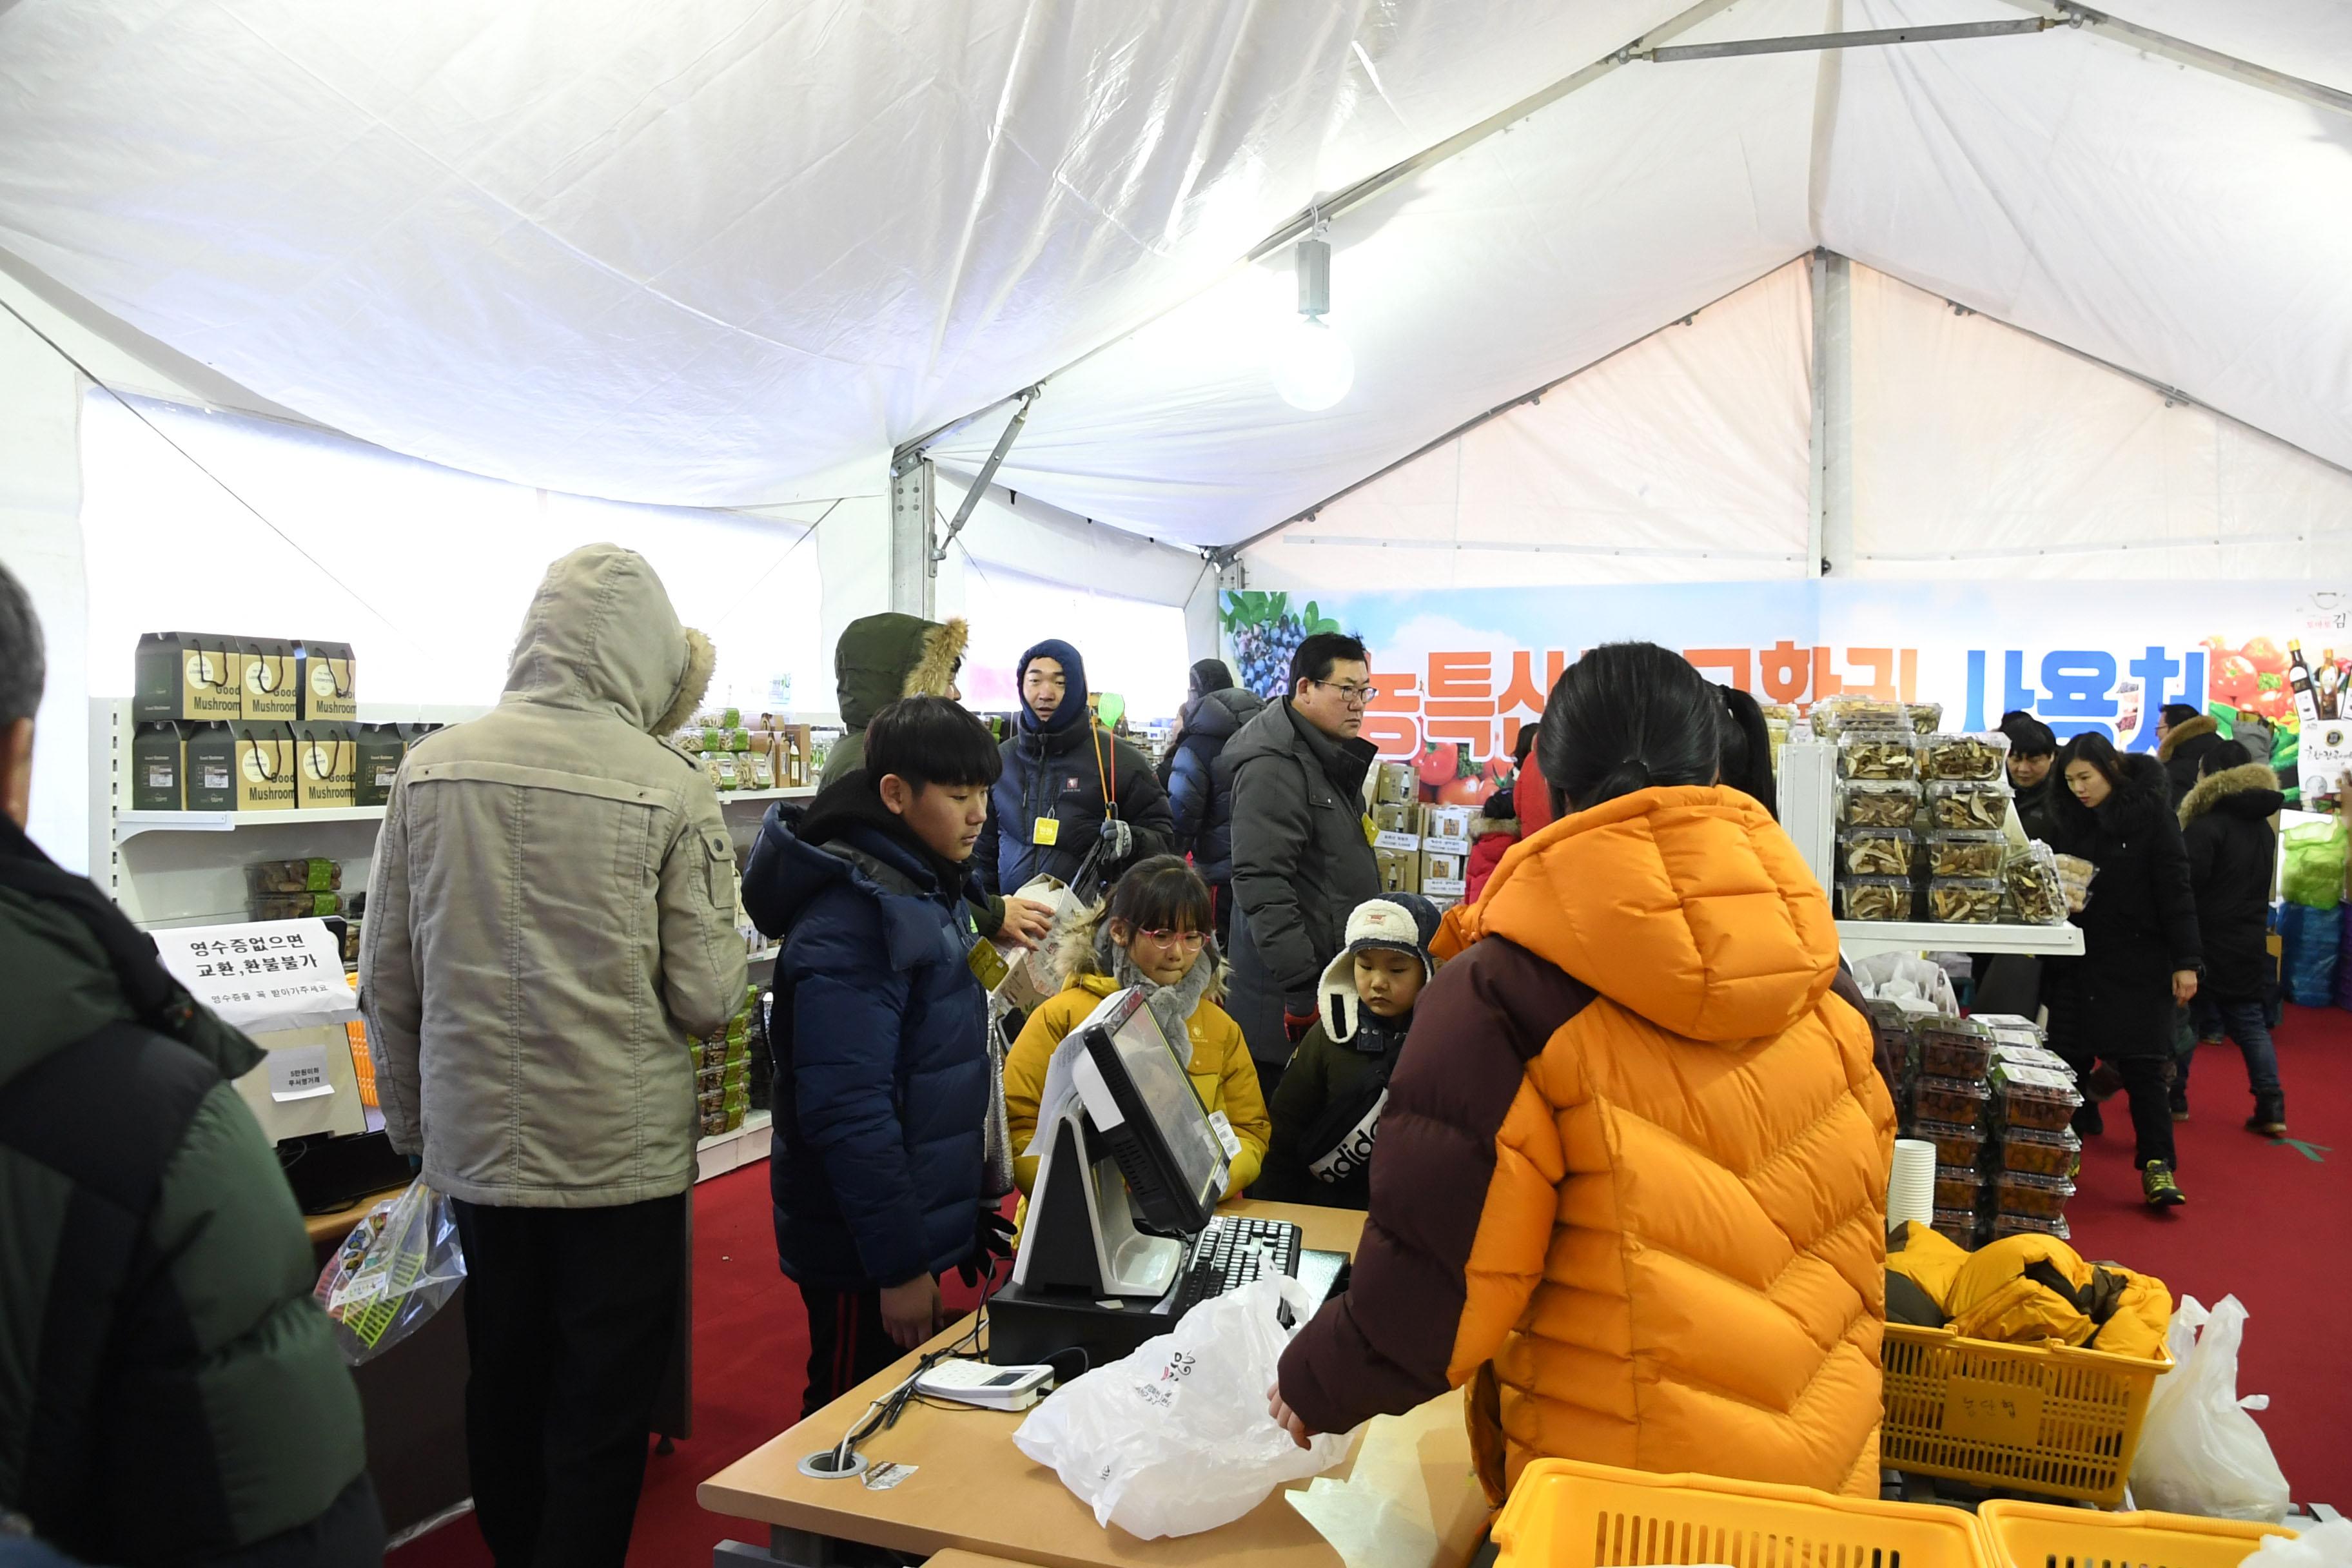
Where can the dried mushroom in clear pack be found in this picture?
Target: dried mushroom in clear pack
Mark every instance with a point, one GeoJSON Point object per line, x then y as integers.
{"type": "Point", "coordinates": [1957, 804]}
{"type": "Point", "coordinates": [1973, 757]}
{"type": "Point", "coordinates": [1966, 852]}
{"type": "Point", "coordinates": [2034, 886]}
{"type": "Point", "coordinates": [1875, 851]}
{"type": "Point", "coordinates": [1877, 754]}
{"type": "Point", "coordinates": [1964, 901]}
{"type": "Point", "coordinates": [1875, 898]}
{"type": "Point", "coordinates": [1870, 803]}
{"type": "Point", "coordinates": [1927, 718]}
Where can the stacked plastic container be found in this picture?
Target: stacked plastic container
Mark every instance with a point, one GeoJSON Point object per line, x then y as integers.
{"type": "Point", "coordinates": [722, 1070]}
{"type": "Point", "coordinates": [1997, 1104]}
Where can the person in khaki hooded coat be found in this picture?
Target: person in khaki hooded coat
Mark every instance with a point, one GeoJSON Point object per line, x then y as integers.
{"type": "Point", "coordinates": [551, 913]}
{"type": "Point", "coordinates": [1632, 1183]}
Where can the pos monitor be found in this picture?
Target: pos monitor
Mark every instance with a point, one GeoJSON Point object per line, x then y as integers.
{"type": "Point", "coordinates": [1131, 1164]}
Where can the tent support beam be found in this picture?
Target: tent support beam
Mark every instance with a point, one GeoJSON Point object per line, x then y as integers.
{"type": "Point", "coordinates": [1303, 221]}
{"type": "Point", "coordinates": [1227, 554]}
{"type": "Point", "coordinates": [2181, 51]}
{"type": "Point", "coordinates": [1828, 531]}
{"type": "Point", "coordinates": [1874, 37]}
{"type": "Point", "coordinates": [979, 483]}
{"type": "Point", "coordinates": [913, 584]}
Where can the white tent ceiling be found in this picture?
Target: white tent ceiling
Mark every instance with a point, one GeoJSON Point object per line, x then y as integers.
{"type": "Point", "coordinates": [691, 253]}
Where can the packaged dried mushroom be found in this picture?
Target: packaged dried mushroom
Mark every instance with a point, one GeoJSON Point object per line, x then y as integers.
{"type": "Point", "coordinates": [1981, 757]}
{"type": "Point", "coordinates": [2035, 888]}
{"type": "Point", "coordinates": [1877, 803]}
{"type": "Point", "coordinates": [1964, 901]}
{"type": "Point", "coordinates": [1953, 804]}
{"type": "Point", "coordinates": [1876, 755]}
{"type": "Point", "coordinates": [1875, 898]}
{"type": "Point", "coordinates": [1875, 851]}
{"type": "Point", "coordinates": [1927, 718]}
{"type": "Point", "coordinates": [1966, 852]}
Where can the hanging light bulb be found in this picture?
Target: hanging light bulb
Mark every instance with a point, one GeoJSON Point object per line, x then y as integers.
{"type": "Point", "coordinates": [1310, 362]}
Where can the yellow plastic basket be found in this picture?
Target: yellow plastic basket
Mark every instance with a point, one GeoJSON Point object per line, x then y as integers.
{"type": "Point", "coordinates": [2037, 1535]}
{"type": "Point", "coordinates": [2032, 1418]}
{"type": "Point", "coordinates": [1563, 1514]}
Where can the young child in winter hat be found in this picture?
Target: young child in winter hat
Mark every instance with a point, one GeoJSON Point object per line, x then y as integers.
{"type": "Point", "coordinates": [1153, 933]}
{"type": "Point", "coordinates": [1327, 1110]}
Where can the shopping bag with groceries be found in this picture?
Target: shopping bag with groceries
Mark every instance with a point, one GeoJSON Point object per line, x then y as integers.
{"type": "Point", "coordinates": [394, 1270]}
{"type": "Point", "coordinates": [1175, 1438]}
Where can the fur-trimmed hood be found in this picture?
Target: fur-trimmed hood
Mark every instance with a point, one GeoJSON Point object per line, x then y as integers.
{"type": "Point", "coordinates": [2251, 791]}
{"type": "Point", "coordinates": [881, 658]}
{"type": "Point", "coordinates": [2180, 734]}
{"type": "Point", "coordinates": [1078, 953]}
{"type": "Point", "coordinates": [601, 633]}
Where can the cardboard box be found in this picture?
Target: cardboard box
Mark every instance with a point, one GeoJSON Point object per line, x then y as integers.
{"type": "Point", "coordinates": [272, 688]}
{"type": "Point", "coordinates": [209, 767]}
{"type": "Point", "coordinates": [326, 675]}
{"type": "Point", "coordinates": [326, 764]}
{"type": "Point", "coordinates": [265, 766]}
{"type": "Point", "coordinates": [1448, 822]}
{"type": "Point", "coordinates": [1395, 817]}
{"type": "Point", "coordinates": [159, 766]}
{"type": "Point", "coordinates": [1398, 784]}
{"type": "Point", "coordinates": [1400, 870]}
{"type": "Point", "coordinates": [192, 675]}
{"type": "Point", "coordinates": [377, 750]}
{"type": "Point", "coordinates": [1441, 866]}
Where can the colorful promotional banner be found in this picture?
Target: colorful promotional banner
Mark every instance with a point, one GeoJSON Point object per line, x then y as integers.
{"type": "Point", "coordinates": [1466, 667]}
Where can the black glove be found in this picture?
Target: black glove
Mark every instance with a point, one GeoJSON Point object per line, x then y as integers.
{"type": "Point", "coordinates": [992, 1242]}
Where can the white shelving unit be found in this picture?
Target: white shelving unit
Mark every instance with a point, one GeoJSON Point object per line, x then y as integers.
{"type": "Point", "coordinates": [724, 1152]}
{"type": "Point", "coordinates": [1808, 785]}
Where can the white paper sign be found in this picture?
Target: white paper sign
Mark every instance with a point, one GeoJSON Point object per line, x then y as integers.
{"type": "Point", "coordinates": [1396, 841]}
{"type": "Point", "coordinates": [299, 1072]}
{"type": "Point", "coordinates": [271, 974]}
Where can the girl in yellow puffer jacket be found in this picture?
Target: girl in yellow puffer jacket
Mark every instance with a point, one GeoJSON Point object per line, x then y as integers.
{"type": "Point", "coordinates": [1154, 934]}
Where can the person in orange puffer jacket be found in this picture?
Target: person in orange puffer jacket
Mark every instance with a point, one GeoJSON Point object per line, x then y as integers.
{"type": "Point", "coordinates": [1633, 1174]}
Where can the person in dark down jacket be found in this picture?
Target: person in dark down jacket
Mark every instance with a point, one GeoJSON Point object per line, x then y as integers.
{"type": "Point", "coordinates": [2140, 947]}
{"type": "Point", "coordinates": [169, 1391]}
{"type": "Point", "coordinates": [879, 1034]}
{"type": "Point", "coordinates": [1200, 781]}
{"type": "Point", "coordinates": [1068, 785]}
{"type": "Point", "coordinates": [2034, 778]}
{"type": "Point", "coordinates": [2232, 861]}
{"type": "Point", "coordinates": [1302, 859]}
{"type": "Point", "coordinates": [2183, 736]}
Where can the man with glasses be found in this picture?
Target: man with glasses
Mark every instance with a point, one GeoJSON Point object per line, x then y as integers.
{"type": "Point", "coordinates": [1302, 860]}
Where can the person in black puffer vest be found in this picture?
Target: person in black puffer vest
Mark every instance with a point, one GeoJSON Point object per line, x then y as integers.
{"type": "Point", "coordinates": [1200, 783]}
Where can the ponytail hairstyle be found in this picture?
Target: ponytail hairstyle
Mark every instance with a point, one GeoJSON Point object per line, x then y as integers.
{"type": "Point", "coordinates": [1747, 743]}
{"type": "Point", "coordinates": [1628, 716]}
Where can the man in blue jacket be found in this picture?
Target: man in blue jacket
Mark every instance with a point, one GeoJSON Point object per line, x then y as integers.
{"type": "Point", "coordinates": [880, 1037]}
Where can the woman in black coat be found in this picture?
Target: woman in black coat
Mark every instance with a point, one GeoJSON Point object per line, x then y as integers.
{"type": "Point", "coordinates": [2232, 861]}
{"type": "Point", "coordinates": [2140, 949]}
{"type": "Point", "coordinates": [1200, 783]}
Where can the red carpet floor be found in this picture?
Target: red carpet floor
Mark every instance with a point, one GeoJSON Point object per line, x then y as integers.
{"type": "Point", "coordinates": [2265, 1221]}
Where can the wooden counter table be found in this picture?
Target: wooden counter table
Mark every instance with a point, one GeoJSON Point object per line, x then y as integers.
{"type": "Point", "coordinates": [973, 1491]}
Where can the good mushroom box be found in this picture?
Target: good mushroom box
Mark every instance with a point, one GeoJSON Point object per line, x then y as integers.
{"type": "Point", "coordinates": [192, 676]}
{"type": "Point", "coordinates": [327, 676]}
{"type": "Point", "coordinates": [270, 691]}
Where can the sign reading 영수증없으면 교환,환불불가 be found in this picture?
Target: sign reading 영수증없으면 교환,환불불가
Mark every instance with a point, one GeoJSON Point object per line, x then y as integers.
{"type": "Point", "coordinates": [1458, 672]}
{"type": "Point", "coordinates": [262, 977]}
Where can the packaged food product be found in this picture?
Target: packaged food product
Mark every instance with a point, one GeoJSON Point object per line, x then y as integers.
{"type": "Point", "coordinates": [1890, 1029]}
{"type": "Point", "coordinates": [714, 1122]}
{"type": "Point", "coordinates": [1877, 802]}
{"type": "Point", "coordinates": [1957, 1226]}
{"type": "Point", "coordinates": [711, 1075]}
{"type": "Point", "coordinates": [2011, 1052]}
{"type": "Point", "coordinates": [2025, 1193]}
{"type": "Point", "coordinates": [1998, 1022]}
{"type": "Point", "coordinates": [1927, 718]}
{"type": "Point", "coordinates": [2035, 1097]}
{"type": "Point", "coordinates": [1953, 1048]}
{"type": "Point", "coordinates": [1876, 755]}
{"type": "Point", "coordinates": [1836, 715]}
{"type": "Point", "coordinates": [2007, 1224]}
{"type": "Point", "coordinates": [1966, 852]}
{"type": "Point", "coordinates": [1967, 805]}
{"type": "Point", "coordinates": [1875, 898]}
{"type": "Point", "coordinates": [312, 875]}
{"type": "Point", "coordinates": [1951, 1100]}
{"type": "Point", "coordinates": [293, 906]}
{"type": "Point", "coordinates": [1956, 1145]}
{"type": "Point", "coordinates": [712, 1099]}
{"type": "Point", "coordinates": [1958, 1187]}
{"type": "Point", "coordinates": [2039, 1153]}
{"type": "Point", "coordinates": [1875, 851]}
{"type": "Point", "coordinates": [2034, 886]}
{"type": "Point", "coordinates": [1979, 757]}
{"type": "Point", "coordinates": [1964, 901]}
{"type": "Point", "coordinates": [2074, 876]}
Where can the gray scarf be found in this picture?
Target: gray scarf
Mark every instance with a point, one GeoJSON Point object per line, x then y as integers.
{"type": "Point", "coordinates": [1174, 1005]}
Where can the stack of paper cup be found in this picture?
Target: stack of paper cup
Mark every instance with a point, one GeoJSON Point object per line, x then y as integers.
{"type": "Point", "coordinates": [1911, 1191]}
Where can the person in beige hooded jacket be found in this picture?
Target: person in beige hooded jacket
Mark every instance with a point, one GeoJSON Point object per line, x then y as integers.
{"type": "Point", "coordinates": [551, 915]}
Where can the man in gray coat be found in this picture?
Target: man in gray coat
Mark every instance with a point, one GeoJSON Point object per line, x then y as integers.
{"type": "Point", "coordinates": [551, 915]}
{"type": "Point", "coordinates": [1302, 860]}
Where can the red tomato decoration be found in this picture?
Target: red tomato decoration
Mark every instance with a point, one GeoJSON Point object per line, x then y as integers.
{"type": "Point", "coordinates": [2264, 655]}
{"type": "Point", "coordinates": [2275, 703]}
{"type": "Point", "coordinates": [1440, 764]}
{"type": "Point", "coordinates": [1471, 791]}
{"type": "Point", "coordinates": [2234, 678]}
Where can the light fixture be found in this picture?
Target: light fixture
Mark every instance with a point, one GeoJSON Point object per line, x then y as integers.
{"type": "Point", "coordinates": [1310, 362]}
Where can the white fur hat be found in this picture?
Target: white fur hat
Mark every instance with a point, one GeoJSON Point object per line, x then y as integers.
{"type": "Point", "coordinates": [1402, 922]}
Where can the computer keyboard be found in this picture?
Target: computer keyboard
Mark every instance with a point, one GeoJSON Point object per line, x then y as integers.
{"type": "Point", "coordinates": [1231, 1252]}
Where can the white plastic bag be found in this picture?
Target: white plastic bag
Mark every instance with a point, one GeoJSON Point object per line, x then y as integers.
{"type": "Point", "coordinates": [2327, 1545]}
{"type": "Point", "coordinates": [1903, 976]}
{"type": "Point", "coordinates": [399, 1263]}
{"type": "Point", "coordinates": [1174, 1438]}
{"type": "Point", "coordinates": [2199, 1452]}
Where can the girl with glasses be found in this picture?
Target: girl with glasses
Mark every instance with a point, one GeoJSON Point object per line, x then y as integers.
{"type": "Point", "coordinates": [1153, 935]}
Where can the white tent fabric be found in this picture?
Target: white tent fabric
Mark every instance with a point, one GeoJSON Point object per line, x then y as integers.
{"type": "Point", "coordinates": [688, 255]}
